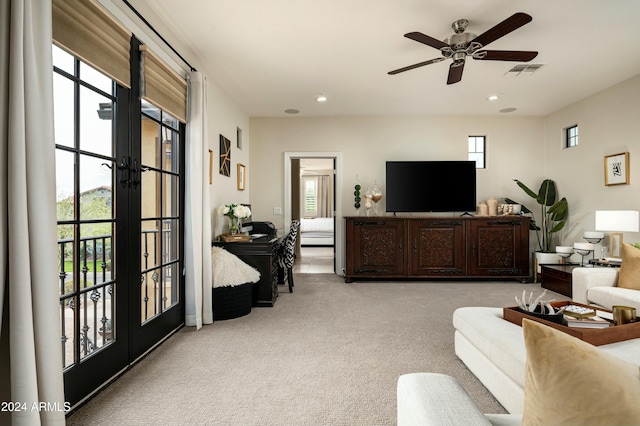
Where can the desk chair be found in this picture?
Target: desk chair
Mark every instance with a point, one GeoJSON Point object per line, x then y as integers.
{"type": "Point", "coordinates": [286, 253]}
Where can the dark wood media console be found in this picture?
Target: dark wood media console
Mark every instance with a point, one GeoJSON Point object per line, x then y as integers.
{"type": "Point", "coordinates": [440, 247]}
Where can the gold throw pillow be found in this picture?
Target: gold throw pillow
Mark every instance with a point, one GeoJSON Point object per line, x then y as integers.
{"type": "Point", "coordinates": [570, 382]}
{"type": "Point", "coordinates": [629, 275]}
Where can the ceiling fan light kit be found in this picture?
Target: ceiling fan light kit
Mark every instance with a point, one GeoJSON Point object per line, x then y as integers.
{"type": "Point", "coordinates": [462, 44]}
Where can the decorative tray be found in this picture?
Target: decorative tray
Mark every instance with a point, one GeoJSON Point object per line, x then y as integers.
{"type": "Point", "coordinates": [228, 238]}
{"type": "Point", "coordinates": [595, 336]}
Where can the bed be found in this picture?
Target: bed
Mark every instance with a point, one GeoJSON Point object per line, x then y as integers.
{"type": "Point", "coordinates": [316, 232]}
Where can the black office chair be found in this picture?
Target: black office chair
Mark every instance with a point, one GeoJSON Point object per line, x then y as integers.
{"type": "Point", "coordinates": [286, 254]}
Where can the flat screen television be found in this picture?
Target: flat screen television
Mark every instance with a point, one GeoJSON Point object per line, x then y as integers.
{"type": "Point", "coordinates": [431, 186]}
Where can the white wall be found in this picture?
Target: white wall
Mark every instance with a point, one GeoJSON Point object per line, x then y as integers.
{"type": "Point", "coordinates": [608, 123]}
{"type": "Point", "coordinates": [224, 118]}
{"type": "Point", "coordinates": [368, 142]}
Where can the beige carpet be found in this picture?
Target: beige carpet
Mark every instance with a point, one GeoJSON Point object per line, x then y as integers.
{"type": "Point", "coordinates": [330, 353]}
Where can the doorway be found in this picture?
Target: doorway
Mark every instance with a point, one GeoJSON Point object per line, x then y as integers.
{"type": "Point", "coordinates": [310, 164]}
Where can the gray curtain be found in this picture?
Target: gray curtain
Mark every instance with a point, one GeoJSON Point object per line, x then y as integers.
{"type": "Point", "coordinates": [30, 355]}
{"type": "Point", "coordinates": [325, 196]}
{"type": "Point", "coordinates": [198, 303]}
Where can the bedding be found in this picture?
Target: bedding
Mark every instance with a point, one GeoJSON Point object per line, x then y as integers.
{"type": "Point", "coordinates": [316, 231]}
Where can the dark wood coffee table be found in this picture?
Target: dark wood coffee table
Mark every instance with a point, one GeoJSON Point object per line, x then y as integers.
{"type": "Point", "coordinates": [557, 278]}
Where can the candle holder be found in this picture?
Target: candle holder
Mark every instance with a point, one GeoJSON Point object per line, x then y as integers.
{"type": "Point", "coordinates": [583, 249]}
{"type": "Point", "coordinates": [565, 253]}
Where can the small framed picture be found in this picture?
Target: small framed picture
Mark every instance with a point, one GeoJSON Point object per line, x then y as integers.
{"type": "Point", "coordinates": [242, 175]}
{"type": "Point", "coordinates": [616, 169]}
{"type": "Point", "coordinates": [225, 156]}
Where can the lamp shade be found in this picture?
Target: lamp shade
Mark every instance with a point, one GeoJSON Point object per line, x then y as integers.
{"type": "Point", "coordinates": [618, 220]}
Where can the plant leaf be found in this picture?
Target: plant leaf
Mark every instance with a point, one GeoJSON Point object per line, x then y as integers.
{"type": "Point", "coordinates": [524, 187]}
{"type": "Point", "coordinates": [547, 193]}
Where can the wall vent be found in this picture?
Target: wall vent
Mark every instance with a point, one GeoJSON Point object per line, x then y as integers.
{"type": "Point", "coordinates": [523, 70]}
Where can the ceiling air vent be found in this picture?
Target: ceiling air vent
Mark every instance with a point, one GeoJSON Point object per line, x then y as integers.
{"type": "Point", "coordinates": [523, 70]}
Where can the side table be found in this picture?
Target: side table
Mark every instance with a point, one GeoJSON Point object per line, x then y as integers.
{"type": "Point", "coordinates": [557, 278]}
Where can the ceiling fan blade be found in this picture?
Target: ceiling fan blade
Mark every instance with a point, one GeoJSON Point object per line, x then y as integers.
{"type": "Point", "coordinates": [410, 67]}
{"type": "Point", "coordinates": [455, 72]}
{"type": "Point", "coordinates": [425, 39]}
{"type": "Point", "coordinates": [503, 28]}
{"type": "Point", "coordinates": [505, 55]}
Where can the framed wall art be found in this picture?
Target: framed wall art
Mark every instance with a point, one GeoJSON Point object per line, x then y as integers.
{"type": "Point", "coordinates": [616, 169]}
{"type": "Point", "coordinates": [242, 175]}
{"type": "Point", "coordinates": [225, 156]}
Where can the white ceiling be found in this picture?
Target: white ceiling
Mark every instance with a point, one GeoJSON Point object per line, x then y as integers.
{"type": "Point", "coordinates": [269, 56]}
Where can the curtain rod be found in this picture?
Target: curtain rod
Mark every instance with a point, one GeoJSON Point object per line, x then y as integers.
{"type": "Point", "coordinates": [133, 9]}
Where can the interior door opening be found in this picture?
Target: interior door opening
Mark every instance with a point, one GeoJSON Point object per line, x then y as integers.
{"type": "Point", "coordinates": [311, 182]}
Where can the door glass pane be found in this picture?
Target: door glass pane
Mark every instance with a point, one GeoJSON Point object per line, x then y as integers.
{"type": "Point", "coordinates": [96, 192]}
{"type": "Point", "coordinates": [65, 195]}
{"type": "Point", "coordinates": [150, 153]}
{"type": "Point", "coordinates": [170, 289]}
{"type": "Point", "coordinates": [150, 200]}
{"type": "Point", "coordinates": [95, 78]}
{"type": "Point", "coordinates": [170, 195]}
{"type": "Point", "coordinates": [150, 244]}
{"type": "Point", "coordinates": [150, 293]}
{"type": "Point", "coordinates": [170, 151]}
{"type": "Point", "coordinates": [170, 241]}
{"type": "Point", "coordinates": [63, 92]}
{"type": "Point", "coordinates": [95, 127]}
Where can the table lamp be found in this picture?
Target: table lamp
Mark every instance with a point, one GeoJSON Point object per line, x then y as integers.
{"type": "Point", "coordinates": [616, 222]}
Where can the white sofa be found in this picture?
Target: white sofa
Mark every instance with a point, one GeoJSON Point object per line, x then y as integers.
{"type": "Point", "coordinates": [493, 349]}
{"type": "Point", "coordinates": [598, 286]}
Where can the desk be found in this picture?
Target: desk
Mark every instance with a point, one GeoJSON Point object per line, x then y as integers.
{"type": "Point", "coordinates": [261, 254]}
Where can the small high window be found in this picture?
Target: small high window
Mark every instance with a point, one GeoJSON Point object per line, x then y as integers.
{"type": "Point", "coordinates": [477, 148]}
{"type": "Point", "coordinates": [571, 136]}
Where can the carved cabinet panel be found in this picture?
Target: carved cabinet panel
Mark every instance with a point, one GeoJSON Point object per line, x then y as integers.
{"type": "Point", "coordinates": [437, 247]}
{"type": "Point", "coordinates": [375, 247]}
{"type": "Point", "coordinates": [499, 246]}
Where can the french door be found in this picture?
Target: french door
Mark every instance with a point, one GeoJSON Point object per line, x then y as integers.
{"type": "Point", "coordinates": [119, 195]}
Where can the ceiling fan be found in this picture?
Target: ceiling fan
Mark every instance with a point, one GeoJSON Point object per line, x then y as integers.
{"type": "Point", "coordinates": [463, 44]}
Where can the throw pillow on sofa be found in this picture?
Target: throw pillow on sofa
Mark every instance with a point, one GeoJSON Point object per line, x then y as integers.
{"type": "Point", "coordinates": [630, 268]}
{"type": "Point", "coordinates": [570, 382]}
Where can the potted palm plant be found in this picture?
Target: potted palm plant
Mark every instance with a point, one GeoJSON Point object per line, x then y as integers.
{"type": "Point", "coordinates": [552, 218]}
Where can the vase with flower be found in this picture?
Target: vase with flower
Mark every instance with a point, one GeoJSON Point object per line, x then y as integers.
{"type": "Point", "coordinates": [234, 212]}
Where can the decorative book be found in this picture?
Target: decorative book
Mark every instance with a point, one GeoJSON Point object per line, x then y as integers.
{"type": "Point", "coordinates": [579, 312]}
{"type": "Point", "coordinates": [591, 322]}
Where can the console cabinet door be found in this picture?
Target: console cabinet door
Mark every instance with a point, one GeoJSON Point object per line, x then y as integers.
{"type": "Point", "coordinates": [499, 247]}
{"type": "Point", "coordinates": [375, 247]}
{"type": "Point", "coordinates": [437, 248]}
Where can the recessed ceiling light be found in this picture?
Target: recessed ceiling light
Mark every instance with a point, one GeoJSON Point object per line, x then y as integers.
{"type": "Point", "coordinates": [291, 111]}
{"type": "Point", "coordinates": [493, 98]}
{"type": "Point", "coordinates": [505, 110]}
{"type": "Point", "coordinates": [321, 98]}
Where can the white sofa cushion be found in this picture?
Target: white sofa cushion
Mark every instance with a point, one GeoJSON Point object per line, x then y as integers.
{"type": "Point", "coordinates": [607, 297]}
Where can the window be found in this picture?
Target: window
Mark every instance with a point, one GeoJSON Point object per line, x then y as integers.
{"type": "Point", "coordinates": [571, 136]}
{"type": "Point", "coordinates": [477, 150]}
{"type": "Point", "coordinates": [310, 196]}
